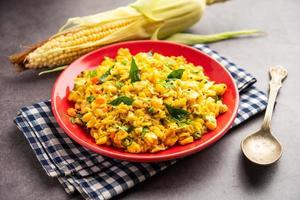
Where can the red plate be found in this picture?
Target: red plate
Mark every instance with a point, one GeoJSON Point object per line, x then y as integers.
{"type": "Point", "coordinates": [212, 68]}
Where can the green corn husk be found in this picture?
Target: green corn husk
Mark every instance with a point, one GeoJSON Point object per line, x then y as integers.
{"type": "Point", "coordinates": [190, 39]}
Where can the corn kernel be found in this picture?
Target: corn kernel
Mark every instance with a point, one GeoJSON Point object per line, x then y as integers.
{"type": "Point", "coordinates": [211, 125]}
{"type": "Point", "coordinates": [170, 141]}
{"type": "Point", "coordinates": [219, 88]}
{"type": "Point", "coordinates": [98, 112]}
{"type": "Point", "coordinates": [150, 138]}
{"type": "Point", "coordinates": [86, 117]}
{"type": "Point", "coordinates": [186, 140]}
{"type": "Point", "coordinates": [102, 140]}
{"type": "Point", "coordinates": [223, 108]}
{"type": "Point", "coordinates": [183, 135]}
{"type": "Point", "coordinates": [71, 112]}
{"type": "Point", "coordinates": [73, 96]}
{"type": "Point", "coordinates": [211, 93]}
{"type": "Point", "coordinates": [157, 148]}
{"type": "Point", "coordinates": [159, 88]}
{"type": "Point", "coordinates": [91, 122]}
{"type": "Point", "coordinates": [134, 148]}
{"type": "Point", "coordinates": [159, 133]}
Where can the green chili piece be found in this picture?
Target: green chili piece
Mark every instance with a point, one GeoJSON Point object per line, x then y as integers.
{"type": "Point", "coordinates": [126, 142]}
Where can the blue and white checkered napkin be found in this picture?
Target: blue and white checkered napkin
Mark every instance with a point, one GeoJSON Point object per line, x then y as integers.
{"type": "Point", "coordinates": [98, 177]}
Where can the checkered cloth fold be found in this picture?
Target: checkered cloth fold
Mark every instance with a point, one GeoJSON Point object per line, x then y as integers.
{"type": "Point", "coordinates": [98, 177]}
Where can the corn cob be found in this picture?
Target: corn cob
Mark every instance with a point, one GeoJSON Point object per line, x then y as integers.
{"type": "Point", "coordinates": [144, 19]}
{"type": "Point", "coordinates": [65, 48]}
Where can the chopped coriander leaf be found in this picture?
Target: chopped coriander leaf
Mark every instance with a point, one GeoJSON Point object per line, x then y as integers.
{"type": "Point", "coordinates": [90, 99]}
{"type": "Point", "coordinates": [151, 110]}
{"type": "Point", "coordinates": [119, 84]}
{"type": "Point", "coordinates": [92, 73]}
{"type": "Point", "coordinates": [145, 130]}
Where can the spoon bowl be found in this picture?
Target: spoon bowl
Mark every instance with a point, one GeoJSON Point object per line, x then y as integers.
{"type": "Point", "coordinates": [262, 147]}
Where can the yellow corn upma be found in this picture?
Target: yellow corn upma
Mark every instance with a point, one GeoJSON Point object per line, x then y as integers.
{"type": "Point", "coordinates": [147, 102]}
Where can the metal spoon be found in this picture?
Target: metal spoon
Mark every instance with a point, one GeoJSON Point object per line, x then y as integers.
{"type": "Point", "coordinates": [262, 147]}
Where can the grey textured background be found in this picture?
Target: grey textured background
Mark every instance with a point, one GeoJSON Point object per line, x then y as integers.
{"type": "Point", "coordinates": [219, 172]}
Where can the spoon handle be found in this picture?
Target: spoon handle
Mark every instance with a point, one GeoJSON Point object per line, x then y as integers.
{"type": "Point", "coordinates": [277, 73]}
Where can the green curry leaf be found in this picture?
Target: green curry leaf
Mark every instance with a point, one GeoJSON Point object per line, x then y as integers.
{"type": "Point", "coordinates": [134, 72]}
{"type": "Point", "coordinates": [176, 74]}
{"type": "Point", "coordinates": [177, 113]}
{"type": "Point", "coordinates": [122, 99]}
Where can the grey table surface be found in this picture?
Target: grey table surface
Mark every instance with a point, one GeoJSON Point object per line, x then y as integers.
{"type": "Point", "coordinates": [219, 172]}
